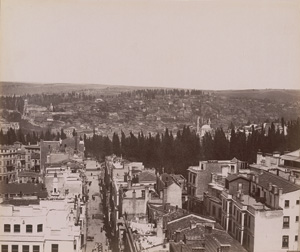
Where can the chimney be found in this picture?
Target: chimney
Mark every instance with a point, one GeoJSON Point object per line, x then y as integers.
{"type": "Point", "coordinates": [208, 229]}
{"type": "Point", "coordinates": [268, 159]}
{"type": "Point", "coordinates": [270, 186]}
{"type": "Point", "coordinates": [292, 178]}
{"type": "Point", "coordinates": [177, 236]}
{"type": "Point", "coordinates": [275, 189]}
{"type": "Point", "coordinates": [159, 229]}
{"type": "Point", "coordinates": [134, 201]}
{"type": "Point", "coordinates": [128, 182]}
{"type": "Point", "coordinates": [213, 178]}
{"type": "Point", "coordinates": [256, 179]}
{"type": "Point", "coordinates": [259, 157]}
{"type": "Point", "coordinates": [276, 154]}
{"type": "Point", "coordinates": [165, 195]}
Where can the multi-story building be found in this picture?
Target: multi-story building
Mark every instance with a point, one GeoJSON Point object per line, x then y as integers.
{"type": "Point", "coordinates": [259, 210]}
{"type": "Point", "coordinates": [200, 176]}
{"type": "Point", "coordinates": [286, 165]}
{"type": "Point", "coordinates": [169, 189]}
{"type": "Point", "coordinates": [44, 226]}
{"type": "Point", "coordinates": [8, 162]}
{"type": "Point", "coordinates": [36, 218]}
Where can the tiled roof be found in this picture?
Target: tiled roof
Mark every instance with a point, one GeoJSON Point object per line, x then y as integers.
{"type": "Point", "coordinates": [292, 156]}
{"type": "Point", "coordinates": [147, 176]}
{"type": "Point", "coordinates": [287, 186]}
{"type": "Point", "coordinates": [232, 177]}
{"type": "Point", "coordinates": [181, 247]}
{"type": "Point", "coordinates": [28, 188]}
{"type": "Point", "coordinates": [185, 222]}
{"type": "Point", "coordinates": [168, 212]}
{"type": "Point", "coordinates": [29, 174]}
{"type": "Point", "coordinates": [198, 237]}
{"type": "Point", "coordinates": [21, 202]}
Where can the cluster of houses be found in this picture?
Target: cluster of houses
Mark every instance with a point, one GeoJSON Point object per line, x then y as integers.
{"type": "Point", "coordinates": [43, 197]}
{"type": "Point", "coordinates": [223, 205]}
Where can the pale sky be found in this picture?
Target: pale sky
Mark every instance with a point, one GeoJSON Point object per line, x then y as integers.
{"type": "Point", "coordinates": [203, 44]}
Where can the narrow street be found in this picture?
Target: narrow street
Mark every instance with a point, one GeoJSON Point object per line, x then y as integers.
{"type": "Point", "coordinates": [95, 232]}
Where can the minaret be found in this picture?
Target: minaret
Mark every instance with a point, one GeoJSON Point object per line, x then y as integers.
{"type": "Point", "coordinates": [55, 191]}
{"type": "Point", "coordinates": [198, 125]}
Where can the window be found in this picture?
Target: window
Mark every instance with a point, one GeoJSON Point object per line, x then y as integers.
{"type": "Point", "coordinates": [286, 221]}
{"type": "Point", "coordinates": [296, 237]}
{"type": "Point", "coordinates": [40, 227]}
{"type": "Point", "coordinates": [4, 248]}
{"type": "Point", "coordinates": [17, 228]}
{"type": "Point", "coordinates": [28, 228]}
{"type": "Point", "coordinates": [285, 241]}
{"type": "Point", "coordinates": [286, 203]}
{"type": "Point", "coordinates": [36, 248]}
{"type": "Point", "coordinates": [25, 248]}
{"type": "Point", "coordinates": [297, 218]}
{"type": "Point", "coordinates": [14, 248]}
{"type": "Point", "coordinates": [54, 248]}
{"type": "Point", "coordinates": [143, 193]}
{"type": "Point", "coordinates": [297, 202]}
{"type": "Point", "coordinates": [6, 227]}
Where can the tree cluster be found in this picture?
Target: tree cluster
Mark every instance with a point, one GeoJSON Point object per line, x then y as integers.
{"type": "Point", "coordinates": [177, 153]}
{"type": "Point", "coordinates": [152, 93]}
{"type": "Point", "coordinates": [12, 136]}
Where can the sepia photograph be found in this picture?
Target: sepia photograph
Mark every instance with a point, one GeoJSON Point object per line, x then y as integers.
{"type": "Point", "coordinates": [149, 125]}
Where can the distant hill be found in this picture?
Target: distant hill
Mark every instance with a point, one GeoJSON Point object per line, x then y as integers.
{"type": "Point", "coordinates": [279, 95]}
{"type": "Point", "coordinates": [11, 88]}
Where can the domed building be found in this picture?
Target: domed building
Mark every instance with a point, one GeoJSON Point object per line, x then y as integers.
{"type": "Point", "coordinates": [206, 128]}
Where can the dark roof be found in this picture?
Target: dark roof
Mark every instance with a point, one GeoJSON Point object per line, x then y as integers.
{"type": "Point", "coordinates": [184, 222]}
{"type": "Point", "coordinates": [168, 212]}
{"type": "Point", "coordinates": [197, 237]}
{"type": "Point", "coordinates": [35, 155]}
{"type": "Point", "coordinates": [32, 147]}
{"type": "Point", "coordinates": [21, 202]}
{"type": "Point", "coordinates": [292, 156]}
{"type": "Point", "coordinates": [29, 174]}
{"type": "Point", "coordinates": [25, 188]}
{"type": "Point", "coordinates": [287, 186]}
{"type": "Point", "coordinates": [233, 177]}
{"type": "Point", "coordinates": [147, 176]}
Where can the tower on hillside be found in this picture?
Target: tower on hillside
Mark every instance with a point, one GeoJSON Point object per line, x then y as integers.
{"type": "Point", "coordinates": [25, 110]}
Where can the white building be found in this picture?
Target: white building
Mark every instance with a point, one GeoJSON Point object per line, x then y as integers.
{"type": "Point", "coordinates": [262, 212]}
{"type": "Point", "coordinates": [49, 226]}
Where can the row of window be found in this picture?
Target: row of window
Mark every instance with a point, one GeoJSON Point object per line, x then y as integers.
{"type": "Point", "coordinates": [285, 241]}
{"type": "Point", "coordinates": [7, 151]}
{"type": "Point", "coordinates": [286, 221]}
{"type": "Point", "coordinates": [26, 248]}
{"type": "Point", "coordinates": [287, 203]}
{"type": "Point", "coordinates": [17, 228]}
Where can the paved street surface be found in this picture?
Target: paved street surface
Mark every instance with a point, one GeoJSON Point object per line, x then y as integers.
{"type": "Point", "coordinates": [94, 214]}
